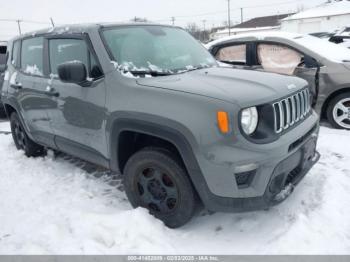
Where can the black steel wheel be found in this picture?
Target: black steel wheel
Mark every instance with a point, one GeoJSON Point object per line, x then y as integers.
{"type": "Point", "coordinates": [155, 180]}
{"type": "Point", "coordinates": [157, 190]}
{"type": "Point", "coordinates": [21, 139]}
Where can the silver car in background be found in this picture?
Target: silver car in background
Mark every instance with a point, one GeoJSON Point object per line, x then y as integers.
{"type": "Point", "coordinates": [325, 65]}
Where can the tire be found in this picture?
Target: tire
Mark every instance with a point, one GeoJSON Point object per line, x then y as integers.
{"type": "Point", "coordinates": [21, 139]}
{"type": "Point", "coordinates": [338, 109]}
{"type": "Point", "coordinates": [155, 180]}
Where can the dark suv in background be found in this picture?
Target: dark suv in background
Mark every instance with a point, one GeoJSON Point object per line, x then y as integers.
{"type": "Point", "coordinates": [3, 58]}
{"type": "Point", "coordinates": [150, 101]}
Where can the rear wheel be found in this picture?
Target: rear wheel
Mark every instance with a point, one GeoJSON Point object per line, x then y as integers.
{"type": "Point", "coordinates": [21, 139]}
{"type": "Point", "coordinates": [338, 112]}
{"type": "Point", "coordinates": [155, 180]}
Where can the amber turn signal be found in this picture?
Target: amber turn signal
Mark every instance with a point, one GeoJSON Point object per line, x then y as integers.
{"type": "Point", "coordinates": [223, 122]}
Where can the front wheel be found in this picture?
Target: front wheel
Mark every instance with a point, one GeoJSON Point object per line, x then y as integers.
{"type": "Point", "coordinates": [21, 139]}
{"type": "Point", "coordinates": [338, 112]}
{"type": "Point", "coordinates": [155, 180]}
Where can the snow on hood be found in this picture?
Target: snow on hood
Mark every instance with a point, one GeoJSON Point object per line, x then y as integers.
{"type": "Point", "coordinates": [333, 52]}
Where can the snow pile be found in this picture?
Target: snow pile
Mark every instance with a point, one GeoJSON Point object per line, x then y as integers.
{"type": "Point", "coordinates": [33, 70]}
{"type": "Point", "coordinates": [52, 205]}
{"type": "Point", "coordinates": [331, 51]}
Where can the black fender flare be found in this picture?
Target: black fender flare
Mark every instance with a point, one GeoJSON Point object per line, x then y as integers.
{"type": "Point", "coordinates": [169, 130]}
{"type": "Point", "coordinates": [16, 107]}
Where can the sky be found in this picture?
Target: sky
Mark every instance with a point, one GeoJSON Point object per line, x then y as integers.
{"type": "Point", "coordinates": [214, 12]}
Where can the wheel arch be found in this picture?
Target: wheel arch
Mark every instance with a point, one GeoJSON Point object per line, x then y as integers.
{"type": "Point", "coordinates": [171, 132]}
{"type": "Point", "coordinates": [9, 109]}
{"type": "Point", "coordinates": [157, 127]}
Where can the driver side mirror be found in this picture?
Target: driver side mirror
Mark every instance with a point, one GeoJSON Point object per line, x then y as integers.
{"type": "Point", "coordinates": [310, 62]}
{"type": "Point", "coordinates": [73, 72]}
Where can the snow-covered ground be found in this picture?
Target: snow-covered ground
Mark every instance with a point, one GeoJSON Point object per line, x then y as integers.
{"type": "Point", "coordinates": [60, 205]}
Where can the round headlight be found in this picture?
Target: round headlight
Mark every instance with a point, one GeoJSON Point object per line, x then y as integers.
{"type": "Point", "coordinates": [249, 120]}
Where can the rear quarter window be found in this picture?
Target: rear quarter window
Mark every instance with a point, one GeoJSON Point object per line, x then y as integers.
{"type": "Point", "coordinates": [3, 50]}
{"type": "Point", "coordinates": [15, 54]}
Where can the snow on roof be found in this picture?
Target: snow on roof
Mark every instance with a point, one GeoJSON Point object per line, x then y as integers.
{"type": "Point", "coordinates": [233, 30]}
{"type": "Point", "coordinates": [326, 49]}
{"type": "Point", "coordinates": [257, 35]}
{"type": "Point", "coordinates": [327, 9]}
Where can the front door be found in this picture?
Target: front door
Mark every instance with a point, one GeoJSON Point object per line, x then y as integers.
{"type": "Point", "coordinates": [78, 119]}
{"type": "Point", "coordinates": [279, 58]}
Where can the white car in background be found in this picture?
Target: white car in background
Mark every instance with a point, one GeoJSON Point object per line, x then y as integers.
{"type": "Point", "coordinates": [324, 65]}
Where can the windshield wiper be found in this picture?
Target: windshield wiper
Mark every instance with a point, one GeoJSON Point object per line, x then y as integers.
{"type": "Point", "coordinates": [150, 72]}
{"type": "Point", "coordinates": [194, 68]}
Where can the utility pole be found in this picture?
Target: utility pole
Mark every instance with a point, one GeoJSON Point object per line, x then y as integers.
{"type": "Point", "coordinates": [229, 16]}
{"type": "Point", "coordinates": [241, 15]}
{"type": "Point", "coordinates": [19, 26]}
{"type": "Point", "coordinates": [173, 20]}
{"type": "Point", "coordinates": [52, 23]}
{"type": "Point", "coordinates": [204, 21]}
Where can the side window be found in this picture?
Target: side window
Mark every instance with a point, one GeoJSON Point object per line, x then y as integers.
{"type": "Point", "coordinates": [3, 49]}
{"type": "Point", "coordinates": [32, 56]}
{"type": "Point", "coordinates": [3, 55]}
{"type": "Point", "coordinates": [233, 54]}
{"type": "Point", "coordinates": [15, 54]}
{"type": "Point", "coordinates": [66, 50]}
{"type": "Point", "coordinates": [278, 58]}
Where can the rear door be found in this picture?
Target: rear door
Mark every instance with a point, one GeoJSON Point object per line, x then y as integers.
{"type": "Point", "coordinates": [27, 58]}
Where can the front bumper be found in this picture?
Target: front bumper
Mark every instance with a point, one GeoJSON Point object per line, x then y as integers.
{"type": "Point", "coordinates": [287, 174]}
{"type": "Point", "coordinates": [276, 169]}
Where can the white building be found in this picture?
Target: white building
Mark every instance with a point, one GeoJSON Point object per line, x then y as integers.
{"type": "Point", "coordinates": [327, 17]}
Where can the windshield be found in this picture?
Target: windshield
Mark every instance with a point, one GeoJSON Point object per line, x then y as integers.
{"type": "Point", "coordinates": [328, 50]}
{"type": "Point", "coordinates": [156, 49]}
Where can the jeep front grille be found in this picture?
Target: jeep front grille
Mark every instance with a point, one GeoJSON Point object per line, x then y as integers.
{"type": "Point", "coordinates": [291, 110]}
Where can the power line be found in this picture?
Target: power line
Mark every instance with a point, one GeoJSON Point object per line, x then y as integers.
{"type": "Point", "coordinates": [231, 9]}
{"type": "Point", "coordinates": [25, 21]}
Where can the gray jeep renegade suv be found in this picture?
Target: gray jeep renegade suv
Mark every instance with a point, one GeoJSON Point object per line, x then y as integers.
{"type": "Point", "coordinates": [150, 102]}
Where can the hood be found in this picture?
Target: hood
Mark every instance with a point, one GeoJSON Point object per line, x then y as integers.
{"type": "Point", "coordinates": [242, 87]}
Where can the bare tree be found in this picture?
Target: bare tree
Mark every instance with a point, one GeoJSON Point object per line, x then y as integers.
{"type": "Point", "coordinates": [197, 32]}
